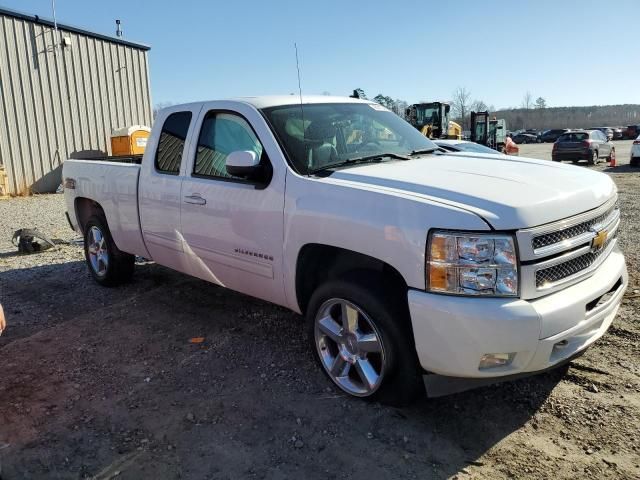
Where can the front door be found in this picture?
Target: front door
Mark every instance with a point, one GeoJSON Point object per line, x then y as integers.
{"type": "Point", "coordinates": [232, 228]}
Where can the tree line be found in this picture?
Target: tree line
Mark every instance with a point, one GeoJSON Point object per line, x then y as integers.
{"type": "Point", "coordinates": [571, 117]}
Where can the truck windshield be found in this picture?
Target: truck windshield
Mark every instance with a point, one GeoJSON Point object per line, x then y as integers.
{"type": "Point", "coordinates": [337, 132]}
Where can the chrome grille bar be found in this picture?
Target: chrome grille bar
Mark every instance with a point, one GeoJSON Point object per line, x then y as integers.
{"type": "Point", "coordinates": [562, 253]}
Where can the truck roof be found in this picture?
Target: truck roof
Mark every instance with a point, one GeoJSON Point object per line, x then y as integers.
{"type": "Point", "coordinates": [280, 100]}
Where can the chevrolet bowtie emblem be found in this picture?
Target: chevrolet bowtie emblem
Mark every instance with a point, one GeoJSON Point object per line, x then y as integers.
{"type": "Point", "coordinates": [599, 240]}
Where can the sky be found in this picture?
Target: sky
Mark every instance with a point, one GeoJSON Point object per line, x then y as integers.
{"type": "Point", "coordinates": [570, 52]}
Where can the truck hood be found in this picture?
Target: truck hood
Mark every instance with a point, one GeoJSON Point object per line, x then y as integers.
{"type": "Point", "coordinates": [508, 192]}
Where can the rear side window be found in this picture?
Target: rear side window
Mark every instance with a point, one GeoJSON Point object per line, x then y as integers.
{"type": "Point", "coordinates": [171, 143]}
{"type": "Point", "coordinates": [221, 134]}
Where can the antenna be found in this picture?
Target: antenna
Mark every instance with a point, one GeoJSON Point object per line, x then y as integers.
{"type": "Point", "coordinates": [55, 26]}
{"type": "Point", "coordinates": [118, 29]}
{"type": "Point", "coordinates": [300, 94]}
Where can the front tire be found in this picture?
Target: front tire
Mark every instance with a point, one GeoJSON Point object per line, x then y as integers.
{"type": "Point", "coordinates": [361, 337]}
{"type": "Point", "coordinates": [108, 265]}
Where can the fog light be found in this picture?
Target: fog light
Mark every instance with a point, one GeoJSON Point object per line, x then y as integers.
{"type": "Point", "coordinates": [493, 360]}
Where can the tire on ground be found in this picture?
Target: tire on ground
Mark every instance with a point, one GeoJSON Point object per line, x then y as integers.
{"type": "Point", "coordinates": [388, 310]}
{"type": "Point", "coordinates": [120, 264]}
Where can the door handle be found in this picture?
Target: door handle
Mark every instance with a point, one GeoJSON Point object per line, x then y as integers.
{"type": "Point", "coordinates": [195, 200]}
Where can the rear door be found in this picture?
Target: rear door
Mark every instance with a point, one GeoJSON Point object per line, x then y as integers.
{"type": "Point", "coordinates": [232, 228]}
{"type": "Point", "coordinates": [606, 145]}
{"type": "Point", "coordinates": [160, 186]}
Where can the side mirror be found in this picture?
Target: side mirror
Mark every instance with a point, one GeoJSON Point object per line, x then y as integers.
{"type": "Point", "coordinates": [243, 163]}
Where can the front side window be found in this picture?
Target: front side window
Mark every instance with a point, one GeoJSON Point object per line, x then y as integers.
{"type": "Point", "coordinates": [221, 134]}
{"type": "Point", "coordinates": [171, 143]}
{"type": "Point", "coordinates": [328, 133]}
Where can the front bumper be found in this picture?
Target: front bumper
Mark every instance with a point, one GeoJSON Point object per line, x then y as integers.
{"type": "Point", "coordinates": [452, 333]}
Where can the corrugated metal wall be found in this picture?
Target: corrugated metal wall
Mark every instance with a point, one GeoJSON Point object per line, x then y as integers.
{"type": "Point", "coordinates": [64, 103]}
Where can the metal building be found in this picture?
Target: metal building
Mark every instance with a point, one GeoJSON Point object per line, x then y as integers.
{"type": "Point", "coordinates": [62, 93]}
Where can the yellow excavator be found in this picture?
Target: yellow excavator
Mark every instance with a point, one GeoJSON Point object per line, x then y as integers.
{"type": "Point", "coordinates": [431, 118]}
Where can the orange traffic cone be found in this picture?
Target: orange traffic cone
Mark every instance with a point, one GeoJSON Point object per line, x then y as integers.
{"type": "Point", "coordinates": [613, 159]}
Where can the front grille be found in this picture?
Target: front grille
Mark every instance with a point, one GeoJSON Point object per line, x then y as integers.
{"type": "Point", "coordinates": [558, 236]}
{"type": "Point", "coordinates": [566, 269]}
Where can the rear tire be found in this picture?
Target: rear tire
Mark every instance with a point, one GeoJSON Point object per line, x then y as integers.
{"type": "Point", "coordinates": [361, 337]}
{"type": "Point", "coordinates": [594, 158]}
{"type": "Point", "coordinates": [108, 265]}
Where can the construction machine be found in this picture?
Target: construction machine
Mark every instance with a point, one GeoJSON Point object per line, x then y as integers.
{"type": "Point", "coordinates": [489, 132]}
{"type": "Point", "coordinates": [432, 119]}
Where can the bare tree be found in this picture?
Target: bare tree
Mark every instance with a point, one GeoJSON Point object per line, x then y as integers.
{"type": "Point", "coordinates": [479, 106]}
{"type": "Point", "coordinates": [460, 104]}
{"type": "Point", "coordinates": [400, 107]}
{"type": "Point", "coordinates": [527, 101]}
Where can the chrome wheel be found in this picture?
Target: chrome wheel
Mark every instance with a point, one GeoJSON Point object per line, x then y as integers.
{"type": "Point", "coordinates": [350, 347]}
{"type": "Point", "coordinates": [97, 251]}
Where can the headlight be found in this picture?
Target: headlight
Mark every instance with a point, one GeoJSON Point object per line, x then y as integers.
{"type": "Point", "coordinates": [472, 264]}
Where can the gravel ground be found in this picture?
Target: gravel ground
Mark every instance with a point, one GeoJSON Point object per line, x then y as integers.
{"type": "Point", "coordinates": [104, 383]}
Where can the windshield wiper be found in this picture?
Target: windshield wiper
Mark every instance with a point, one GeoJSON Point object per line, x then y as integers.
{"type": "Point", "coordinates": [378, 157]}
{"type": "Point", "coordinates": [423, 151]}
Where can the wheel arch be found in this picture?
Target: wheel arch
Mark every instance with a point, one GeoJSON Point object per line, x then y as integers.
{"type": "Point", "coordinates": [85, 208]}
{"type": "Point", "coordinates": [318, 263]}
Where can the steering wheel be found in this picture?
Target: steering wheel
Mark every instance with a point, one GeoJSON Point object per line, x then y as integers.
{"type": "Point", "coordinates": [369, 146]}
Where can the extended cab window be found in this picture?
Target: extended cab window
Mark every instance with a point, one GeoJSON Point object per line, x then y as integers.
{"type": "Point", "coordinates": [221, 134]}
{"type": "Point", "coordinates": [171, 143]}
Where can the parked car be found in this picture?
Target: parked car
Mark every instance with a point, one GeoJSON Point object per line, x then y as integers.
{"type": "Point", "coordinates": [618, 133]}
{"type": "Point", "coordinates": [635, 153]}
{"type": "Point", "coordinates": [464, 146]}
{"type": "Point", "coordinates": [404, 260]}
{"type": "Point", "coordinates": [632, 132]}
{"type": "Point", "coordinates": [550, 136]}
{"type": "Point", "coordinates": [606, 130]}
{"type": "Point", "coordinates": [589, 145]}
{"type": "Point", "coordinates": [524, 138]}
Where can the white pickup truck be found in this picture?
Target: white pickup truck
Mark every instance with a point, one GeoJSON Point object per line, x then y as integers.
{"type": "Point", "coordinates": [413, 267]}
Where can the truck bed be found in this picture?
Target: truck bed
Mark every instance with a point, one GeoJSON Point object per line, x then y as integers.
{"type": "Point", "coordinates": [114, 185]}
{"type": "Point", "coordinates": [137, 159]}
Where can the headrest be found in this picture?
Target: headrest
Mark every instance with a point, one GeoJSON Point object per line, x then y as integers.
{"type": "Point", "coordinates": [320, 130]}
